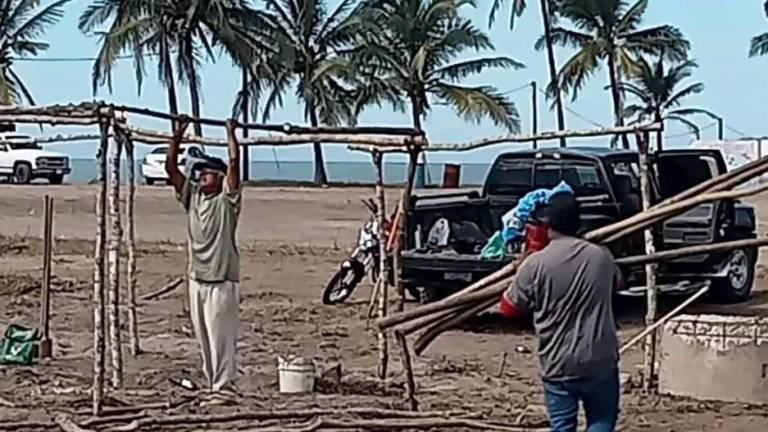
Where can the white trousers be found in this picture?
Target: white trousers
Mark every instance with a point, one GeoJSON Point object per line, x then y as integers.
{"type": "Point", "coordinates": [215, 313]}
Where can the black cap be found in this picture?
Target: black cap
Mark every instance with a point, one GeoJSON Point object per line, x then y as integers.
{"type": "Point", "coordinates": [211, 163]}
{"type": "Point", "coordinates": [562, 213]}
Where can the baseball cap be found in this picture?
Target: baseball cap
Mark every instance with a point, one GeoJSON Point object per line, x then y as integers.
{"type": "Point", "coordinates": [562, 213]}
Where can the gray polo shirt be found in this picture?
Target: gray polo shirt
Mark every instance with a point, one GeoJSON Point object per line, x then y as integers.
{"type": "Point", "coordinates": [568, 288]}
{"type": "Point", "coordinates": [211, 228]}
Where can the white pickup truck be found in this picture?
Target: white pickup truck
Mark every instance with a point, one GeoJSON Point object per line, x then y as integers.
{"type": "Point", "coordinates": [22, 160]}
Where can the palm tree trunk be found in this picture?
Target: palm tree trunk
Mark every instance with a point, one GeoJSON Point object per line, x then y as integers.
{"type": "Point", "coordinates": [616, 94]}
{"type": "Point", "coordinates": [194, 98]}
{"type": "Point", "coordinates": [659, 134]}
{"type": "Point", "coordinates": [321, 177]}
{"type": "Point", "coordinates": [173, 103]}
{"type": "Point", "coordinates": [546, 18]}
{"type": "Point", "coordinates": [246, 164]}
{"type": "Point", "coordinates": [416, 111]}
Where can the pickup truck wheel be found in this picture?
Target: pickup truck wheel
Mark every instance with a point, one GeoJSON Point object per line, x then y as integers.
{"type": "Point", "coordinates": [149, 181]}
{"type": "Point", "coordinates": [736, 287]}
{"type": "Point", "coordinates": [22, 173]}
{"type": "Point", "coordinates": [56, 179]}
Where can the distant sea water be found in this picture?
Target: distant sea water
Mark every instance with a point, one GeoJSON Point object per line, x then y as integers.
{"type": "Point", "coordinates": [84, 171]}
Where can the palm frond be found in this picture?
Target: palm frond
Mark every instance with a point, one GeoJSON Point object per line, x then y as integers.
{"type": "Point", "coordinates": [675, 99]}
{"type": "Point", "coordinates": [664, 40]}
{"type": "Point", "coordinates": [516, 10]}
{"type": "Point", "coordinates": [632, 18]}
{"type": "Point", "coordinates": [458, 71]}
{"type": "Point", "coordinates": [20, 87]}
{"type": "Point", "coordinates": [37, 24]}
{"type": "Point", "coordinates": [575, 72]}
{"type": "Point", "coordinates": [564, 37]}
{"type": "Point", "coordinates": [477, 103]}
{"type": "Point", "coordinates": [759, 45]}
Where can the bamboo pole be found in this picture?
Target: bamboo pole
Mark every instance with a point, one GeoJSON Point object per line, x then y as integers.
{"type": "Point", "coordinates": [46, 346]}
{"type": "Point", "coordinates": [400, 234]}
{"type": "Point", "coordinates": [133, 326]}
{"type": "Point", "coordinates": [61, 138]}
{"type": "Point", "coordinates": [522, 138]}
{"type": "Point", "coordinates": [115, 339]}
{"type": "Point", "coordinates": [652, 328]}
{"type": "Point", "coordinates": [649, 359]}
{"type": "Point", "coordinates": [382, 288]}
{"type": "Point", "coordinates": [285, 128]}
{"type": "Point", "coordinates": [148, 136]}
{"type": "Point", "coordinates": [99, 288]}
{"type": "Point", "coordinates": [410, 384]}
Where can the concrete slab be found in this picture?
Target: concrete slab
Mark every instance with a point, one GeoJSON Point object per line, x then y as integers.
{"type": "Point", "coordinates": [716, 357]}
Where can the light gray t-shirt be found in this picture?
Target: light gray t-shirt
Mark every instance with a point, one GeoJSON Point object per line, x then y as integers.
{"type": "Point", "coordinates": [568, 288]}
{"type": "Point", "coordinates": [211, 228]}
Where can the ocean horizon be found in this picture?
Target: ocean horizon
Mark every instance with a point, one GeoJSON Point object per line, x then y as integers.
{"type": "Point", "coordinates": [353, 173]}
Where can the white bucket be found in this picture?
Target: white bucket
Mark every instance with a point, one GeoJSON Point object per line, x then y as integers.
{"type": "Point", "coordinates": [296, 375]}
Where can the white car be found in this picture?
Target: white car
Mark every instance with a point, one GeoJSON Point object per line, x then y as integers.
{"type": "Point", "coordinates": [22, 160]}
{"type": "Point", "coordinates": [153, 166]}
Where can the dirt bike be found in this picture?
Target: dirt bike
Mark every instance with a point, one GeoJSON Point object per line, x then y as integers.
{"type": "Point", "coordinates": [363, 260]}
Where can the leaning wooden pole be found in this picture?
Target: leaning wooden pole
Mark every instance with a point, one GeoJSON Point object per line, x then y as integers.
{"type": "Point", "coordinates": [400, 234]}
{"type": "Point", "coordinates": [115, 241]}
{"type": "Point", "coordinates": [410, 383]}
{"type": "Point", "coordinates": [649, 360]}
{"type": "Point", "coordinates": [99, 288]}
{"type": "Point", "coordinates": [382, 285]}
{"type": "Point", "coordinates": [133, 326]}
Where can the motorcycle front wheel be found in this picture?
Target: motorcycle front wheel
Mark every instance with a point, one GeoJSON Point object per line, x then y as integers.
{"type": "Point", "coordinates": [343, 283]}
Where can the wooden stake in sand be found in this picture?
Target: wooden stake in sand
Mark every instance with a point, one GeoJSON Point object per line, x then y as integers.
{"type": "Point", "coordinates": [46, 346]}
{"type": "Point", "coordinates": [133, 326]}
{"type": "Point", "coordinates": [115, 242]}
{"type": "Point", "coordinates": [400, 235]}
{"type": "Point", "coordinates": [99, 294]}
{"type": "Point", "coordinates": [410, 384]}
{"type": "Point", "coordinates": [649, 361]}
{"type": "Point", "coordinates": [382, 285]}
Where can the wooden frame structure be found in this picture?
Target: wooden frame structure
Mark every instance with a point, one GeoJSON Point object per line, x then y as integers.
{"type": "Point", "coordinates": [112, 121]}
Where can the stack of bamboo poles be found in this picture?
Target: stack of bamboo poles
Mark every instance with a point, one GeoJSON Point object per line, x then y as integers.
{"type": "Point", "coordinates": [433, 319]}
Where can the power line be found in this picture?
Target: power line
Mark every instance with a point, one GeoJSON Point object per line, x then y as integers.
{"type": "Point", "coordinates": [736, 131]}
{"type": "Point", "coordinates": [73, 59]}
{"type": "Point", "coordinates": [517, 89]}
{"type": "Point", "coordinates": [680, 135]}
{"type": "Point", "coordinates": [581, 116]}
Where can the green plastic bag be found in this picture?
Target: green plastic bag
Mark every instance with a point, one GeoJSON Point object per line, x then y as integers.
{"type": "Point", "coordinates": [19, 345]}
{"type": "Point", "coordinates": [495, 249]}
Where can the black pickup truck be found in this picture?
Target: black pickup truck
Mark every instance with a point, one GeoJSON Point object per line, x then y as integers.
{"type": "Point", "coordinates": [606, 183]}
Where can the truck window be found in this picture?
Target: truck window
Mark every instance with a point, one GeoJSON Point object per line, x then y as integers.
{"type": "Point", "coordinates": [511, 177]}
{"type": "Point", "coordinates": [583, 177]}
{"type": "Point", "coordinates": [681, 172]}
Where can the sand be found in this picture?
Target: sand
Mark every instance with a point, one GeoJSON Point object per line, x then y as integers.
{"type": "Point", "coordinates": [292, 240]}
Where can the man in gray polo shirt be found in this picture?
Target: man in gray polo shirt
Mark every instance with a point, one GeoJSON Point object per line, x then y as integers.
{"type": "Point", "coordinates": [567, 287]}
{"type": "Point", "coordinates": [212, 203]}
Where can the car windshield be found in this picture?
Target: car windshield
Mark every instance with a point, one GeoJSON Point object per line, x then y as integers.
{"type": "Point", "coordinates": [159, 150]}
{"type": "Point", "coordinates": [24, 146]}
{"type": "Point", "coordinates": [518, 177]}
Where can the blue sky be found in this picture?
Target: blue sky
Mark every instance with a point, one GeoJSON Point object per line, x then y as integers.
{"type": "Point", "coordinates": [719, 31]}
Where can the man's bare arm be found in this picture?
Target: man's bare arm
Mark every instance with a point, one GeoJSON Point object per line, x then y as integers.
{"type": "Point", "coordinates": [233, 171]}
{"type": "Point", "coordinates": [175, 177]}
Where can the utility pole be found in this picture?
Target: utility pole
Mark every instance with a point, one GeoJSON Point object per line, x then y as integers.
{"type": "Point", "coordinates": [534, 113]}
{"type": "Point", "coordinates": [720, 127]}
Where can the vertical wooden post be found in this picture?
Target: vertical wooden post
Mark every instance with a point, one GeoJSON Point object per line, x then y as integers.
{"type": "Point", "coordinates": [46, 346]}
{"type": "Point", "coordinates": [382, 284]}
{"type": "Point", "coordinates": [410, 384]}
{"type": "Point", "coordinates": [649, 363]}
{"type": "Point", "coordinates": [115, 242]}
{"type": "Point", "coordinates": [534, 112]}
{"type": "Point", "coordinates": [400, 234]}
{"type": "Point", "coordinates": [99, 288]}
{"type": "Point", "coordinates": [133, 325]}
{"type": "Point", "coordinates": [246, 153]}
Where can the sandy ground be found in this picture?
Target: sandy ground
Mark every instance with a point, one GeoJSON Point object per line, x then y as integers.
{"type": "Point", "coordinates": [292, 240]}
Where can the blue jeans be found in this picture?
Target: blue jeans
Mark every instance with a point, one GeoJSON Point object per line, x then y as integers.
{"type": "Point", "coordinates": [599, 394]}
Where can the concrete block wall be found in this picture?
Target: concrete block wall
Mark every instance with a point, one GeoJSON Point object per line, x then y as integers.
{"type": "Point", "coordinates": [716, 357]}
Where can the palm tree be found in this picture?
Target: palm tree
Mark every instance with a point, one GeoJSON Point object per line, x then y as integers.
{"type": "Point", "coordinates": [305, 39]}
{"type": "Point", "coordinates": [22, 23]}
{"type": "Point", "coordinates": [548, 12]}
{"type": "Point", "coordinates": [608, 30]}
{"type": "Point", "coordinates": [759, 43]}
{"type": "Point", "coordinates": [408, 55]}
{"type": "Point", "coordinates": [177, 32]}
{"type": "Point", "coordinates": [658, 93]}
